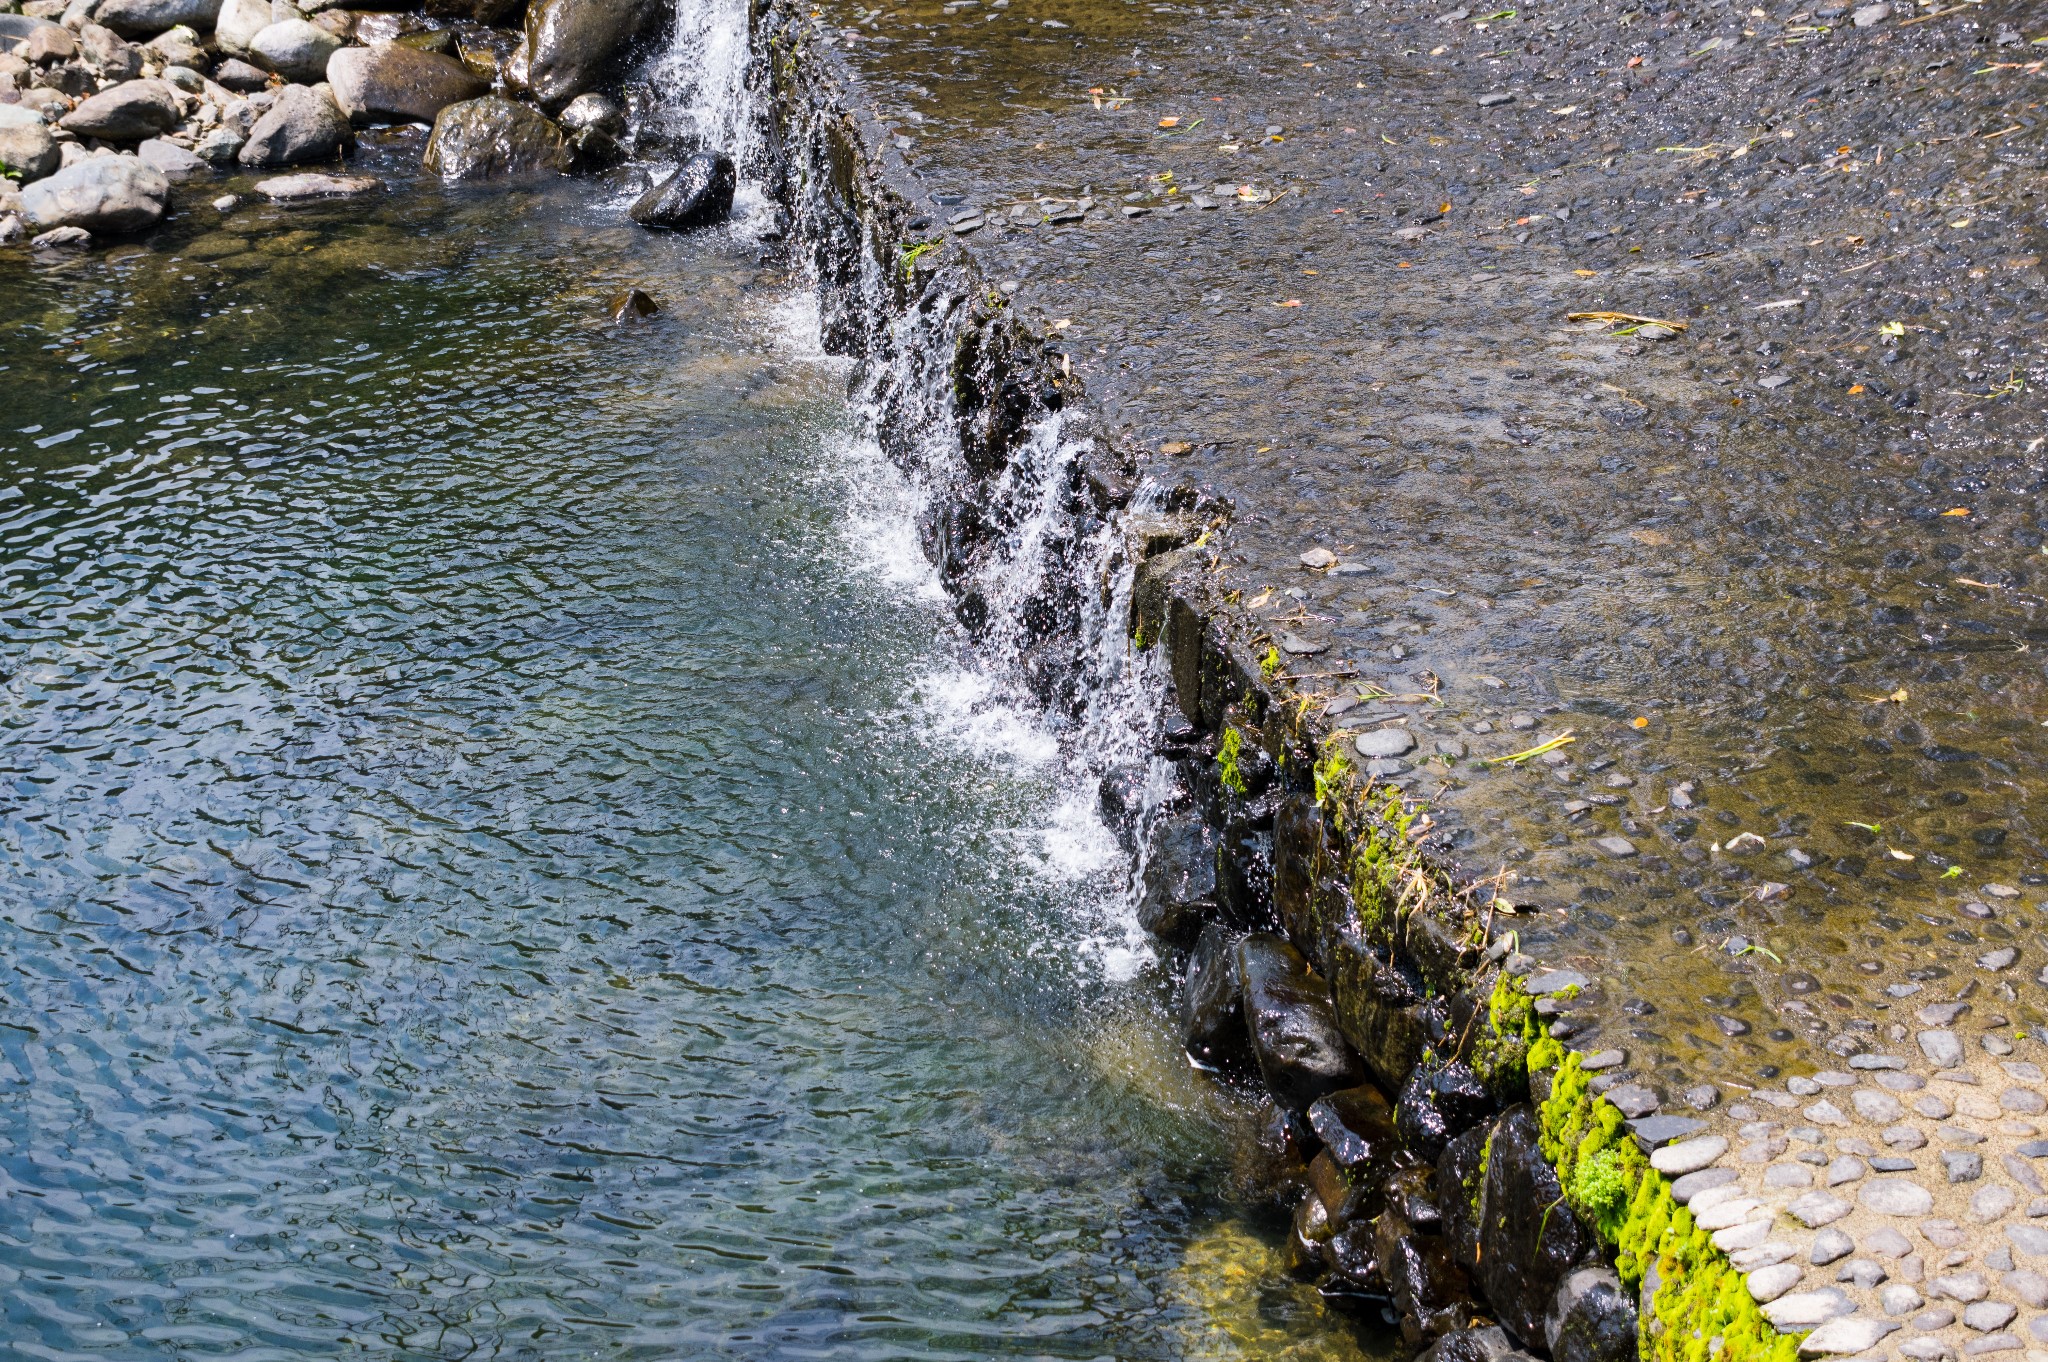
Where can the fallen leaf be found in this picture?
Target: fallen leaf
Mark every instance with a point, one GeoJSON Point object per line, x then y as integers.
{"type": "Point", "coordinates": [1656, 539]}
{"type": "Point", "coordinates": [1957, 510]}
{"type": "Point", "coordinates": [1899, 855]}
{"type": "Point", "coordinates": [1291, 302]}
{"type": "Point", "coordinates": [1587, 274]}
{"type": "Point", "coordinates": [1855, 388]}
{"type": "Point", "coordinates": [1169, 122]}
{"type": "Point", "coordinates": [1639, 721]}
{"type": "Point", "coordinates": [1175, 447]}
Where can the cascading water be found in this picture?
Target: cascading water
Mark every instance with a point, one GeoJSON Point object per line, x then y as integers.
{"type": "Point", "coordinates": [701, 81]}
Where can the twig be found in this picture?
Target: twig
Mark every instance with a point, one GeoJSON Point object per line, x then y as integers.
{"type": "Point", "coordinates": [1623, 317]}
{"type": "Point", "coordinates": [1942, 13]}
{"type": "Point", "coordinates": [1559, 741]}
{"type": "Point", "coordinates": [1262, 207]}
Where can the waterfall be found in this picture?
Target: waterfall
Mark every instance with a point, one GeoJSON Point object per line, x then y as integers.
{"type": "Point", "coordinates": [702, 83]}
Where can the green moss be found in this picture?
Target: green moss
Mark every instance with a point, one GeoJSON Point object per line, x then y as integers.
{"type": "Point", "coordinates": [1610, 1184]}
{"type": "Point", "coordinates": [1330, 774]}
{"type": "Point", "coordinates": [1227, 769]}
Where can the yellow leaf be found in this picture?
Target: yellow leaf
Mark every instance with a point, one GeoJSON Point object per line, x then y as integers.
{"type": "Point", "coordinates": [1958, 510]}
{"type": "Point", "coordinates": [1169, 122]}
{"type": "Point", "coordinates": [1639, 722]}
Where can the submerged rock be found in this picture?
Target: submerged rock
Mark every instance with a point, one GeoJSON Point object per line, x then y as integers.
{"type": "Point", "coordinates": [490, 137]}
{"type": "Point", "coordinates": [394, 83]}
{"type": "Point", "coordinates": [104, 195]}
{"type": "Point", "coordinates": [698, 194]}
{"type": "Point", "coordinates": [1294, 1035]}
{"type": "Point", "coordinates": [630, 304]}
{"type": "Point", "coordinates": [310, 185]}
{"type": "Point", "coordinates": [1179, 896]}
{"type": "Point", "coordinates": [572, 45]}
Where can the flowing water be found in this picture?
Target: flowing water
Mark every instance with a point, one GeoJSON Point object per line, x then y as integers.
{"type": "Point", "coordinates": [503, 852]}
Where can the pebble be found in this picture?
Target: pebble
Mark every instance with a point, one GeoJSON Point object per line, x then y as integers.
{"type": "Point", "coordinates": [2030, 1287]}
{"type": "Point", "coordinates": [1863, 1272]}
{"type": "Point", "coordinates": [225, 203]}
{"type": "Point", "coordinates": [1869, 16]}
{"type": "Point", "coordinates": [1987, 1316]}
{"type": "Point", "coordinates": [1942, 1048]}
{"type": "Point", "coordinates": [1688, 1158]}
{"type": "Point", "coordinates": [1397, 742]}
{"type": "Point", "coordinates": [1887, 1243]}
{"type": "Point", "coordinates": [1618, 847]}
{"type": "Point", "coordinates": [1767, 1284]}
{"type": "Point", "coordinates": [1899, 1299]}
{"type": "Point", "coordinates": [1878, 1108]}
{"type": "Point", "coordinates": [1495, 100]}
{"type": "Point", "coordinates": [1962, 1167]}
{"type": "Point", "coordinates": [1826, 1114]}
{"type": "Point", "coordinates": [1816, 1209]}
{"type": "Point", "coordinates": [1990, 1203]}
{"type": "Point", "coordinates": [1691, 1185]}
{"type": "Point", "coordinates": [1788, 1175]}
{"type": "Point", "coordinates": [1896, 1196]}
{"type": "Point", "coordinates": [1807, 1309]}
{"type": "Point", "coordinates": [2027, 1239]}
{"type": "Point", "coordinates": [1847, 1168]}
{"type": "Point", "coordinates": [1858, 1334]}
{"type": "Point", "coordinates": [1830, 1245]}
{"type": "Point", "coordinates": [1964, 1287]}
{"type": "Point", "coordinates": [1604, 1059]}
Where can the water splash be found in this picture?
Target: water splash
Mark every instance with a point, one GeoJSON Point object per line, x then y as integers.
{"type": "Point", "coordinates": [703, 85]}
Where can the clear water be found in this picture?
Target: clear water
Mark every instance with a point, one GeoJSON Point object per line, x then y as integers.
{"type": "Point", "coordinates": [502, 853]}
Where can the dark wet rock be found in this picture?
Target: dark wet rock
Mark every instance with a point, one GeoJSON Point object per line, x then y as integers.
{"type": "Point", "coordinates": [301, 126]}
{"type": "Point", "coordinates": [1593, 1318]}
{"type": "Point", "coordinates": [573, 45]}
{"type": "Point", "coordinates": [1212, 1003]}
{"type": "Point", "coordinates": [1354, 1259]}
{"type": "Point", "coordinates": [296, 49]}
{"type": "Point", "coordinates": [131, 112]}
{"type": "Point", "coordinates": [492, 137]}
{"type": "Point", "coordinates": [596, 125]}
{"type": "Point", "coordinates": [1483, 1343]}
{"type": "Point", "coordinates": [26, 145]}
{"type": "Point", "coordinates": [62, 239]}
{"type": "Point", "coordinates": [1180, 895]}
{"type": "Point", "coordinates": [392, 83]}
{"type": "Point", "coordinates": [489, 13]}
{"type": "Point", "coordinates": [147, 18]}
{"type": "Point", "coordinates": [1460, 1173]}
{"type": "Point", "coordinates": [1308, 1231]}
{"type": "Point", "coordinates": [1431, 1292]}
{"type": "Point", "coordinates": [1383, 1015]}
{"type": "Point", "coordinates": [630, 304]}
{"type": "Point", "coordinates": [1294, 1036]}
{"type": "Point", "coordinates": [1528, 1238]}
{"type": "Point", "coordinates": [698, 194]}
{"type": "Point", "coordinates": [1438, 1104]}
{"type": "Point", "coordinates": [1356, 1126]}
{"type": "Point", "coordinates": [104, 195]}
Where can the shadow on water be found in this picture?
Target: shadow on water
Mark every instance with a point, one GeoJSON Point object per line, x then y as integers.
{"type": "Point", "coordinates": [489, 869]}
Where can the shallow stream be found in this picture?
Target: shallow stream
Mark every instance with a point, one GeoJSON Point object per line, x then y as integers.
{"type": "Point", "coordinates": [505, 854]}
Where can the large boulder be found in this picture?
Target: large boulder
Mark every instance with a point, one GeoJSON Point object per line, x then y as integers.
{"type": "Point", "coordinates": [394, 83]}
{"type": "Point", "coordinates": [1212, 1003]}
{"type": "Point", "coordinates": [1529, 1239]}
{"type": "Point", "coordinates": [27, 148]}
{"type": "Point", "coordinates": [239, 23]}
{"type": "Point", "coordinates": [485, 138]}
{"type": "Point", "coordinates": [572, 45]}
{"type": "Point", "coordinates": [302, 125]}
{"type": "Point", "coordinates": [296, 49]}
{"type": "Point", "coordinates": [147, 18]}
{"type": "Point", "coordinates": [131, 112]}
{"type": "Point", "coordinates": [697, 195]}
{"type": "Point", "coordinates": [104, 195]}
{"type": "Point", "coordinates": [1300, 1053]}
{"type": "Point", "coordinates": [17, 30]}
{"type": "Point", "coordinates": [1179, 895]}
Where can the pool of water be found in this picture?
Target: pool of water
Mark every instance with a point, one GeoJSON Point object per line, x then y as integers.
{"type": "Point", "coordinates": [504, 854]}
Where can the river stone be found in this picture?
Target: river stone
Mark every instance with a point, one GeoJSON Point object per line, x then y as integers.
{"type": "Point", "coordinates": [1652, 1131]}
{"type": "Point", "coordinates": [147, 18]}
{"type": "Point", "coordinates": [296, 49]}
{"type": "Point", "coordinates": [1487, 1343]}
{"type": "Point", "coordinates": [219, 146]}
{"type": "Point", "coordinates": [1528, 1238]}
{"type": "Point", "coordinates": [596, 127]}
{"type": "Point", "coordinates": [1878, 1108]}
{"type": "Point", "coordinates": [1942, 1048]}
{"type": "Point", "coordinates": [302, 125]}
{"type": "Point", "coordinates": [1829, 1246]}
{"type": "Point", "coordinates": [311, 185]}
{"type": "Point", "coordinates": [393, 83]}
{"type": "Point", "coordinates": [1807, 1309]}
{"type": "Point", "coordinates": [1766, 1284]}
{"type": "Point", "coordinates": [1356, 1126]}
{"type": "Point", "coordinates": [1179, 895]}
{"type": "Point", "coordinates": [239, 23]}
{"type": "Point", "coordinates": [130, 112]}
{"type": "Point", "coordinates": [1431, 1294]}
{"type": "Point", "coordinates": [698, 194]}
{"type": "Point", "coordinates": [104, 195]}
{"type": "Point", "coordinates": [1439, 1103]}
{"type": "Point", "coordinates": [1384, 742]}
{"type": "Point", "coordinates": [1212, 1003]}
{"type": "Point", "coordinates": [1690, 1185]}
{"type": "Point", "coordinates": [170, 160]}
{"type": "Point", "coordinates": [2027, 1239]}
{"type": "Point", "coordinates": [1294, 1035]}
{"type": "Point", "coordinates": [490, 137]}
{"type": "Point", "coordinates": [1593, 1318]}
{"type": "Point", "coordinates": [106, 52]}
{"type": "Point", "coordinates": [27, 146]}
{"type": "Point", "coordinates": [47, 40]}
{"type": "Point", "coordinates": [1458, 1184]}
{"type": "Point", "coordinates": [1818, 1208]}
{"type": "Point", "coordinates": [572, 45]}
{"type": "Point", "coordinates": [180, 48]}
{"type": "Point", "coordinates": [1896, 1196]}
{"type": "Point", "coordinates": [1618, 847]}
{"type": "Point", "coordinates": [1857, 1334]}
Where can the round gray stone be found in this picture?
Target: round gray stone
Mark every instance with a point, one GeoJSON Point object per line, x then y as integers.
{"type": "Point", "coordinates": [1896, 1196]}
